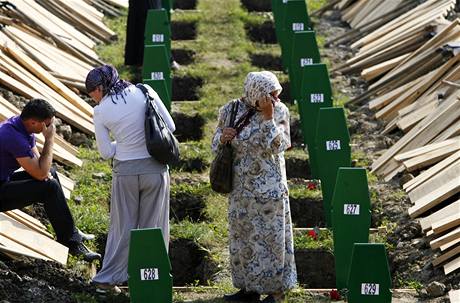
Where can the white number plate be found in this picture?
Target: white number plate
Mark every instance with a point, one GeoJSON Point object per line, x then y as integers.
{"type": "Point", "coordinates": [351, 209]}
{"type": "Point", "coordinates": [157, 76]}
{"type": "Point", "coordinates": [297, 27]}
{"type": "Point", "coordinates": [158, 38]}
{"type": "Point", "coordinates": [333, 145]}
{"type": "Point", "coordinates": [305, 61]}
{"type": "Point", "coordinates": [149, 274]}
{"type": "Point", "coordinates": [370, 289]}
{"type": "Point", "coordinates": [316, 98]}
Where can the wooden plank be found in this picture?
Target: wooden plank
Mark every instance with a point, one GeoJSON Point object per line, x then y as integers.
{"type": "Point", "coordinates": [50, 80]}
{"type": "Point", "coordinates": [434, 198]}
{"type": "Point", "coordinates": [430, 158]}
{"type": "Point", "coordinates": [452, 208]}
{"type": "Point", "coordinates": [449, 173]}
{"type": "Point", "coordinates": [422, 133]}
{"type": "Point", "coordinates": [12, 247]}
{"type": "Point", "coordinates": [452, 131]}
{"type": "Point", "coordinates": [32, 240]}
{"type": "Point", "coordinates": [430, 173]}
{"type": "Point", "coordinates": [446, 256]}
{"type": "Point", "coordinates": [446, 223]}
{"type": "Point", "coordinates": [406, 122]}
{"type": "Point", "coordinates": [452, 266]}
{"type": "Point", "coordinates": [425, 149]}
{"type": "Point", "coordinates": [454, 296]}
{"type": "Point", "coordinates": [30, 224]}
{"type": "Point", "coordinates": [449, 244]}
{"type": "Point", "coordinates": [453, 235]}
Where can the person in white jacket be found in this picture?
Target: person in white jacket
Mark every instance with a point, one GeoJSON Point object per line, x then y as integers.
{"type": "Point", "coordinates": [140, 184]}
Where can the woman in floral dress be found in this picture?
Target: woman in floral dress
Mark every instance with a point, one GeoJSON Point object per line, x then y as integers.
{"type": "Point", "coordinates": [260, 229]}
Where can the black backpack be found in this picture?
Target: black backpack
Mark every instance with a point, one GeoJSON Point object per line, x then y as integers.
{"type": "Point", "coordinates": [160, 141]}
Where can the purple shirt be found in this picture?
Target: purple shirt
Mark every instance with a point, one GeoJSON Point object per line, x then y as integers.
{"type": "Point", "coordinates": [15, 142]}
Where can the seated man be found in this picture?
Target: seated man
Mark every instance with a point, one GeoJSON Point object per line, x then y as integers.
{"type": "Point", "coordinates": [36, 183]}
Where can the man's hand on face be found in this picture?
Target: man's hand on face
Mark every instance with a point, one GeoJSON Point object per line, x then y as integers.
{"type": "Point", "coordinates": [49, 130]}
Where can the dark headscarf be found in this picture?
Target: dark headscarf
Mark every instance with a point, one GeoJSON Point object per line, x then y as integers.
{"type": "Point", "coordinates": [107, 76]}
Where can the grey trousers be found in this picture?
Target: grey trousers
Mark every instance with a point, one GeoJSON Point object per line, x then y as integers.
{"type": "Point", "coordinates": [140, 199]}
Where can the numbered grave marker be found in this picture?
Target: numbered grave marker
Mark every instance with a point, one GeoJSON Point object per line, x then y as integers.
{"type": "Point", "coordinates": [149, 269]}
{"type": "Point", "coordinates": [279, 13]}
{"type": "Point", "coordinates": [304, 53]}
{"type": "Point", "coordinates": [333, 151]}
{"type": "Point", "coordinates": [369, 280]}
{"type": "Point", "coordinates": [295, 19]}
{"type": "Point", "coordinates": [316, 93]}
{"type": "Point", "coordinates": [351, 218]}
{"type": "Point", "coordinates": [156, 72]}
{"type": "Point", "coordinates": [158, 29]}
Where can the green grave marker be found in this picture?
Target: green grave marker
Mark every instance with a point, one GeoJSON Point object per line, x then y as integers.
{"type": "Point", "coordinates": [332, 150]}
{"type": "Point", "coordinates": [167, 5]}
{"type": "Point", "coordinates": [304, 52]}
{"type": "Point", "coordinates": [149, 268]}
{"type": "Point", "coordinates": [316, 93]}
{"type": "Point", "coordinates": [351, 218]}
{"type": "Point", "coordinates": [295, 20]}
{"type": "Point", "coordinates": [279, 12]}
{"type": "Point", "coordinates": [369, 280]}
{"type": "Point", "coordinates": [161, 89]}
{"type": "Point", "coordinates": [158, 29]}
{"type": "Point", "coordinates": [157, 68]}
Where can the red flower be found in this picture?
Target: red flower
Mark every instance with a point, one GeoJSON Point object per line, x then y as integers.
{"type": "Point", "coordinates": [312, 233]}
{"type": "Point", "coordinates": [311, 185]}
{"type": "Point", "coordinates": [335, 295]}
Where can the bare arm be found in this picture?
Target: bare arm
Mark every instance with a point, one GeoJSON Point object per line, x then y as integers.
{"type": "Point", "coordinates": [39, 166]}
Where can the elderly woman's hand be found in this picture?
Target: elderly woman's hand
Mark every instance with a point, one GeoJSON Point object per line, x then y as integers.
{"type": "Point", "coordinates": [266, 107]}
{"type": "Point", "coordinates": [227, 135]}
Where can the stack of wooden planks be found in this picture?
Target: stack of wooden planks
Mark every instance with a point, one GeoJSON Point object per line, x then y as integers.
{"type": "Point", "coordinates": [391, 43]}
{"type": "Point", "coordinates": [412, 64]}
{"type": "Point", "coordinates": [23, 235]}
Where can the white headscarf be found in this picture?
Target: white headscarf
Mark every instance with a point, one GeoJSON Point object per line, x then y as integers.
{"type": "Point", "coordinates": [259, 84]}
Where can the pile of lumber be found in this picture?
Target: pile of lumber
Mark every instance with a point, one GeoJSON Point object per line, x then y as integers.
{"type": "Point", "coordinates": [389, 44]}
{"type": "Point", "coordinates": [23, 235]}
{"type": "Point", "coordinates": [412, 64]}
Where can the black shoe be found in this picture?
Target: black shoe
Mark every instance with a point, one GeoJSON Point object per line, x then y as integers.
{"type": "Point", "coordinates": [86, 237]}
{"type": "Point", "coordinates": [243, 296]}
{"type": "Point", "coordinates": [78, 249]}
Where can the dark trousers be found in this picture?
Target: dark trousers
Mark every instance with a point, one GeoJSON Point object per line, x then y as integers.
{"type": "Point", "coordinates": [23, 190]}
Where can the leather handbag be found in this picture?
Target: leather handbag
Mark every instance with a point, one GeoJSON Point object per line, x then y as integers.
{"type": "Point", "coordinates": [221, 172]}
{"type": "Point", "coordinates": [160, 141]}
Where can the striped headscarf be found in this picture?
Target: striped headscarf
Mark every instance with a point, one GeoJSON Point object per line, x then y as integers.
{"type": "Point", "coordinates": [259, 84]}
{"type": "Point", "coordinates": [107, 76]}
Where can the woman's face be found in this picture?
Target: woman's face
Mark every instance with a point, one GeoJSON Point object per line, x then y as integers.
{"type": "Point", "coordinates": [96, 94]}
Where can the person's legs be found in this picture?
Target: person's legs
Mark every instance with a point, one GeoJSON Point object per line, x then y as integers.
{"type": "Point", "coordinates": [154, 203]}
{"type": "Point", "coordinates": [123, 217]}
{"type": "Point", "coordinates": [23, 190]}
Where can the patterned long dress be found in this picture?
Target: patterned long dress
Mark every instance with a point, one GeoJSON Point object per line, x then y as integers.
{"type": "Point", "coordinates": [260, 228]}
